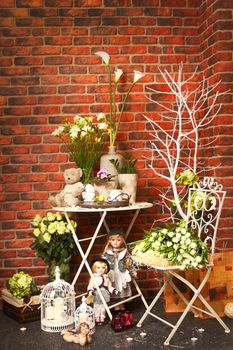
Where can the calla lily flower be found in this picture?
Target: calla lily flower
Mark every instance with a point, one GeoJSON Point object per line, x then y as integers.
{"type": "Point", "coordinates": [118, 73]}
{"type": "Point", "coordinates": [137, 75]}
{"type": "Point", "coordinates": [104, 55]}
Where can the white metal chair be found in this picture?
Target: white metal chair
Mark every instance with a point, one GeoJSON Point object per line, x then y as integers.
{"type": "Point", "coordinates": [203, 217]}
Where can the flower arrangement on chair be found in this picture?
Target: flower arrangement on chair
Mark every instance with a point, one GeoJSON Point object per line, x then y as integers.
{"type": "Point", "coordinates": [53, 241]}
{"type": "Point", "coordinates": [84, 138]}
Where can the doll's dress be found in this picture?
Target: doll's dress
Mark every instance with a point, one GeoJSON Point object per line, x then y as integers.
{"type": "Point", "coordinates": [119, 275]}
{"type": "Point", "coordinates": [104, 284]}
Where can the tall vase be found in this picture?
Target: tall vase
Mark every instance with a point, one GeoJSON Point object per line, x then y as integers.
{"type": "Point", "coordinates": [128, 183]}
{"type": "Point", "coordinates": [64, 270]}
{"type": "Point", "coordinates": [106, 164]}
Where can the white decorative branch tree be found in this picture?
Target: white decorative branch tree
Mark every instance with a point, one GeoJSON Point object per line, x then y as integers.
{"type": "Point", "coordinates": [189, 112]}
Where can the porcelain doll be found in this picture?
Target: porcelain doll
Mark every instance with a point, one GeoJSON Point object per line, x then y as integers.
{"type": "Point", "coordinates": [121, 266]}
{"type": "Point", "coordinates": [100, 269]}
{"type": "Point", "coordinates": [81, 335]}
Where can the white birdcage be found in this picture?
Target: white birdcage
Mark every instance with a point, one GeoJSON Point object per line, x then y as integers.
{"type": "Point", "coordinates": [84, 313]}
{"type": "Point", "coordinates": [57, 305]}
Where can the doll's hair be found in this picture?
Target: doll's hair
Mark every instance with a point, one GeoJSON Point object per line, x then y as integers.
{"type": "Point", "coordinates": [102, 262]}
{"type": "Point", "coordinates": [108, 244]}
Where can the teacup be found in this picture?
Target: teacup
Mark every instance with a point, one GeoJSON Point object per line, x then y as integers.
{"type": "Point", "coordinates": [115, 195]}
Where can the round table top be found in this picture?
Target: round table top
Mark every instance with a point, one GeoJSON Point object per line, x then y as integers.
{"type": "Point", "coordinates": [77, 209]}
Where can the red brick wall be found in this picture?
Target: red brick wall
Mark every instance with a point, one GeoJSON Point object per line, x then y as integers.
{"type": "Point", "coordinates": [49, 71]}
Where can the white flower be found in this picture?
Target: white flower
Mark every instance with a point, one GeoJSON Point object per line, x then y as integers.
{"type": "Point", "coordinates": [58, 131]}
{"type": "Point", "coordinates": [164, 231]}
{"type": "Point", "coordinates": [178, 236]}
{"type": "Point", "coordinates": [175, 240]}
{"type": "Point", "coordinates": [183, 231]}
{"type": "Point", "coordinates": [198, 259]}
{"type": "Point", "coordinates": [104, 55]}
{"type": "Point", "coordinates": [193, 252]}
{"type": "Point", "coordinates": [103, 126]}
{"type": "Point", "coordinates": [137, 75]}
{"type": "Point", "coordinates": [74, 131]}
{"type": "Point", "coordinates": [118, 73]}
{"type": "Point", "coordinates": [169, 244]}
{"type": "Point", "coordinates": [193, 245]}
{"type": "Point", "coordinates": [100, 116]}
{"type": "Point", "coordinates": [171, 234]}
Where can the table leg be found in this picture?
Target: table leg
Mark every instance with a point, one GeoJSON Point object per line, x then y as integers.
{"type": "Point", "coordinates": [84, 257]}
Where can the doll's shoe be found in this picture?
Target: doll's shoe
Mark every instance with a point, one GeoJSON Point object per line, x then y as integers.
{"type": "Point", "coordinates": [101, 321]}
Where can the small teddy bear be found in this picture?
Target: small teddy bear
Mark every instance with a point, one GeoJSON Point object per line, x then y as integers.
{"type": "Point", "coordinates": [69, 197]}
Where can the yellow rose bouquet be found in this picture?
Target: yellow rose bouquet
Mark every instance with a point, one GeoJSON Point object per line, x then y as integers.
{"type": "Point", "coordinates": [53, 241]}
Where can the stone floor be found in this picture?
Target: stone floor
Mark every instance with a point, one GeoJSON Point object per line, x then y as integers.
{"type": "Point", "coordinates": [208, 333]}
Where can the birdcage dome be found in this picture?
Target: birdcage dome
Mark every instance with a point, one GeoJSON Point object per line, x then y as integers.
{"type": "Point", "coordinates": [57, 305]}
{"type": "Point", "coordinates": [85, 313]}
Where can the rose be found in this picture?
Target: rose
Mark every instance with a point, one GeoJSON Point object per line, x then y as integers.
{"type": "Point", "coordinates": [53, 238]}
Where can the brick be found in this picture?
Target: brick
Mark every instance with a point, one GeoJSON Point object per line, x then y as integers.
{"type": "Point", "coordinates": [8, 3]}
{"type": "Point", "coordinates": [29, 3]}
{"type": "Point", "coordinates": [8, 169]}
{"type": "Point", "coordinates": [43, 70]}
{"type": "Point", "coordinates": [42, 90]}
{"type": "Point", "coordinates": [22, 101]}
{"type": "Point", "coordinates": [58, 60]}
{"type": "Point", "coordinates": [18, 263]}
{"type": "Point", "coordinates": [46, 110]}
{"type": "Point", "coordinates": [43, 12]}
{"type": "Point", "coordinates": [46, 50]}
{"type": "Point", "coordinates": [15, 150]}
{"type": "Point", "coordinates": [58, 3]}
{"type": "Point", "coordinates": [13, 71]}
{"type": "Point", "coordinates": [28, 61]}
{"type": "Point", "coordinates": [16, 51]}
{"type": "Point", "coordinates": [51, 100]}
{"type": "Point", "coordinates": [29, 22]}
{"type": "Point", "coordinates": [18, 111]}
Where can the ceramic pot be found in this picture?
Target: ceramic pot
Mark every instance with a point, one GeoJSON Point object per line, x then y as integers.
{"type": "Point", "coordinates": [128, 183]}
{"type": "Point", "coordinates": [106, 164]}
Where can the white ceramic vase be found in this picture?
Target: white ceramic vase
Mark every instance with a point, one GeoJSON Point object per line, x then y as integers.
{"type": "Point", "coordinates": [106, 164]}
{"type": "Point", "coordinates": [128, 183]}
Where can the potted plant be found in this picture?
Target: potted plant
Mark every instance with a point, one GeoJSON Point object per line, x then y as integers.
{"type": "Point", "coordinates": [127, 175]}
{"type": "Point", "coordinates": [21, 298]}
{"type": "Point", "coordinates": [53, 242]}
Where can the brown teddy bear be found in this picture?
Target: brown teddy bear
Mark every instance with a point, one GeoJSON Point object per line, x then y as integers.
{"type": "Point", "coordinates": [69, 197]}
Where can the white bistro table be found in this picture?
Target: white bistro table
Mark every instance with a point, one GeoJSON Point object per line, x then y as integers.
{"type": "Point", "coordinates": [136, 208]}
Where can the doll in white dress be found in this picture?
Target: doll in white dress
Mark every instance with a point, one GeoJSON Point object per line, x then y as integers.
{"type": "Point", "coordinates": [100, 269]}
{"type": "Point", "coordinates": [121, 266]}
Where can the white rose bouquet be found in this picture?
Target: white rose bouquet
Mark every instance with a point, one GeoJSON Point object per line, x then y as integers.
{"type": "Point", "coordinates": [177, 244]}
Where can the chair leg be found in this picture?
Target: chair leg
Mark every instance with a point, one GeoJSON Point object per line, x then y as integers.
{"type": "Point", "coordinates": [150, 307]}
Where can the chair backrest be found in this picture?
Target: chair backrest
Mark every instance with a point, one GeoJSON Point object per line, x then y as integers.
{"type": "Point", "coordinates": [205, 202]}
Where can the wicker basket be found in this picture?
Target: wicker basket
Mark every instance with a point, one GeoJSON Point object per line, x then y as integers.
{"type": "Point", "coordinates": [18, 310]}
{"type": "Point", "coordinates": [22, 314]}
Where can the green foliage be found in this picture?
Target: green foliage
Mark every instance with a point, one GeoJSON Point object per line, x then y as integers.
{"type": "Point", "coordinates": [187, 178]}
{"type": "Point", "coordinates": [128, 166]}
